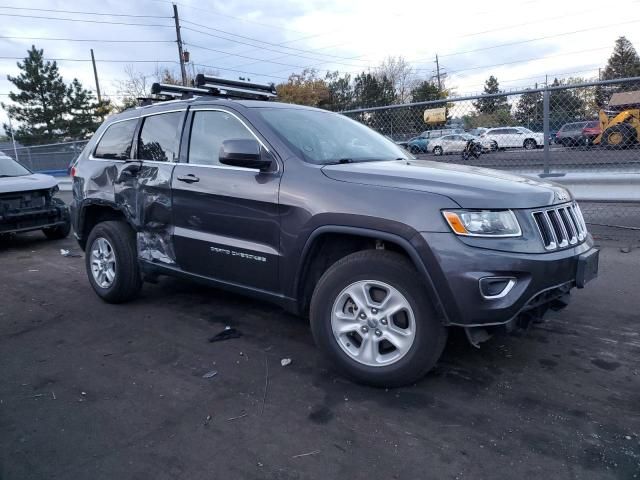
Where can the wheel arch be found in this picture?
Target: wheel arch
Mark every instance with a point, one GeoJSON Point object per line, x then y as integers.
{"type": "Point", "coordinates": [94, 212]}
{"type": "Point", "coordinates": [312, 266]}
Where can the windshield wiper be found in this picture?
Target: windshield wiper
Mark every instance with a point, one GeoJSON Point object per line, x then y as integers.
{"type": "Point", "coordinates": [5, 176]}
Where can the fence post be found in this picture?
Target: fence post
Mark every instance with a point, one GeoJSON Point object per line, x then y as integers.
{"type": "Point", "coordinates": [545, 128]}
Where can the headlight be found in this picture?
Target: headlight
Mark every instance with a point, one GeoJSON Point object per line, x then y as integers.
{"type": "Point", "coordinates": [483, 223]}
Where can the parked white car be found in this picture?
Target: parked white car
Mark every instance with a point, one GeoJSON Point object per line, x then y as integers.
{"type": "Point", "coordinates": [513, 137]}
{"type": "Point", "coordinates": [452, 143]}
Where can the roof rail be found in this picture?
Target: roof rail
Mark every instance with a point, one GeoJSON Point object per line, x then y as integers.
{"type": "Point", "coordinates": [216, 87]}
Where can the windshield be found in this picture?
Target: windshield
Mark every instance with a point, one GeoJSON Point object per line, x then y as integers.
{"type": "Point", "coordinates": [10, 168]}
{"type": "Point", "coordinates": [324, 137]}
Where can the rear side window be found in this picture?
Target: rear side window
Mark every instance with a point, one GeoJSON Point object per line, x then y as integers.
{"type": "Point", "coordinates": [160, 137]}
{"type": "Point", "coordinates": [116, 142]}
{"type": "Point", "coordinates": [208, 130]}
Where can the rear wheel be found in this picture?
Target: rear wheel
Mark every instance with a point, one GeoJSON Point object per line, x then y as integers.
{"type": "Point", "coordinates": [619, 136]}
{"type": "Point", "coordinates": [112, 262]}
{"type": "Point", "coordinates": [370, 316]}
{"type": "Point", "coordinates": [414, 149]}
{"type": "Point", "coordinates": [437, 151]}
{"type": "Point", "coordinates": [530, 144]}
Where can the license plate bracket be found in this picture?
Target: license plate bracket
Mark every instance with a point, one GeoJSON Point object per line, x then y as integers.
{"type": "Point", "coordinates": [587, 268]}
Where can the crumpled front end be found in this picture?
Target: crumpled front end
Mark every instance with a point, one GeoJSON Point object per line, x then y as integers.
{"type": "Point", "coordinates": [31, 210]}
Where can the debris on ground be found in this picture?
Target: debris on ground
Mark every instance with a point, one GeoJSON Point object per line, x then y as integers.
{"type": "Point", "coordinates": [207, 420]}
{"type": "Point", "coordinates": [306, 454]}
{"type": "Point", "coordinates": [625, 249]}
{"type": "Point", "coordinates": [68, 253]}
{"type": "Point", "coordinates": [227, 334]}
{"type": "Point", "coordinates": [236, 418]}
{"type": "Point", "coordinates": [210, 374]}
{"type": "Point", "coordinates": [285, 361]}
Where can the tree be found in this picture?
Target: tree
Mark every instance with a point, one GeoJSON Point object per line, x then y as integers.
{"type": "Point", "coordinates": [528, 111]}
{"type": "Point", "coordinates": [372, 91]}
{"type": "Point", "coordinates": [85, 112]}
{"type": "Point", "coordinates": [401, 75]}
{"type": "Point", "coordinates": [340, 92]}
{"type": "Point", "coordinates": [491, 104]}
{"type": "Point", "coordinates": [41, 105]}
{"type": "Point", "coordinates": [564, 106]}
{"type": "Point", "coordinates": [624, 61]}
{"type": "Point", "coordinates": [304, 89]}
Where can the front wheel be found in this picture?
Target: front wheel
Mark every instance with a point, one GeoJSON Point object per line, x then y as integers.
{"type": "Point", "coordinates": [58, 232]}
{"type": "Point", "coordinates": [438, 151]}
{"type": "Point", "coordinates": [112, 262]}
{"type": "Point", "coordinates": [370, 316]}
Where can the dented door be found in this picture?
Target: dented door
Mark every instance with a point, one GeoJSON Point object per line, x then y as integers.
{"type": "Point", "coordinates": [157, 151]}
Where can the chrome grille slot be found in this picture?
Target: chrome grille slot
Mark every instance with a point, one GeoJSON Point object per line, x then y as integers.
{"type": "Point", "coordinates": [561, 226]}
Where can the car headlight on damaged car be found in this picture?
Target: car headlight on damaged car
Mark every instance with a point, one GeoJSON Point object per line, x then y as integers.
{"type": "Point", "coordinates": [483, 223]}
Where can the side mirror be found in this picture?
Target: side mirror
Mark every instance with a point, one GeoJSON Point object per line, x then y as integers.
{"type": "Point", "coordinates": [244, 153]}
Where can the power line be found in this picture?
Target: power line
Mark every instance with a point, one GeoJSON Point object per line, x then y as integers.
{"type": "Point", "coordinates": [82, 20]}
{"type": "Point", "coordinates": [262, 41]}
{"type": "Point", "coordinates": [241, 56]}
{"type": "Point", "coordinates": [4, 7]}
{"type": "Point", "coordinates": [93, 40]}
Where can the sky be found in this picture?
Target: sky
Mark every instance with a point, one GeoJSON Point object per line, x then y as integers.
{"type": "Point", "coordinates": [519, 42]}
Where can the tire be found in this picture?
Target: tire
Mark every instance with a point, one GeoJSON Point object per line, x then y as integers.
{"type": "Point", "coordinates": [437, 151]}
{"type": "Point", "coordinates": [413, 149]}
{"type": "Point", "coordinates": [494, 146]}
{"type": "Point", "coordinates": [58, 232]}
{"type": "Point", "coordinates": [121, 241]}
{"type": "Point", "coordinates": [530, 144]}
{"type": "Point", "coordinates": [379, 271]}
{"type": "Point", "coordinates": [619, 136]}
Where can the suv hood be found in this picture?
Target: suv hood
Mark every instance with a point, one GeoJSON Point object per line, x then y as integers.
{"type": "Point", "coordinates": [469, 187]}
{"type": "Point", "coordinates": [25, 183]}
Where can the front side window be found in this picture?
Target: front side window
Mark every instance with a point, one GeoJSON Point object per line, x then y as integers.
{"type": "Point", "coordinates": [160, 137]}
{"type": "Point", "coordinates": [208, 130]}
{"type": "Point", "coordinates": [115, 144]}
{"type": "Point", "coordinates": [322, 137]}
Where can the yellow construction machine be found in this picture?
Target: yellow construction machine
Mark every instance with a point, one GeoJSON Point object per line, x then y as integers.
{"type": "Point", "coordinates": [620, 123]}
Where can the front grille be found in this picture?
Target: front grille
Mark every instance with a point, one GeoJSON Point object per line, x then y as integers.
{"type": "Point", "coordinates": [560, 226]}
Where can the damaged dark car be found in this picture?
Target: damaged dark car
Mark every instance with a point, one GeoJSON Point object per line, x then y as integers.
{"type": "Point", "coordinates": [325, 217]}
{"type": "Point", "coordinates": [28, 202]}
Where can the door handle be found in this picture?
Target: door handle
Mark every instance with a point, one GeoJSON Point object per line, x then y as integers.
{"type": "Point", "coordinates": [190, 178]}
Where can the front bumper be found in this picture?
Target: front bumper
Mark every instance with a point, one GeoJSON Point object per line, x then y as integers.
{"type": "Point", "coordinates": [456, 269]}
{"type": "Point", "coordinates": [27, 219]}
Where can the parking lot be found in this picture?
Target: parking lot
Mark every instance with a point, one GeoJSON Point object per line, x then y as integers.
{"type": "Point", "coordinates": [100, 391]}
{"type": "Point", "coordinates": [561, 159]}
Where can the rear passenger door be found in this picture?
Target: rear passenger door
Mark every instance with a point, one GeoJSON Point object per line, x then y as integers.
{"type": "Point", "coordinates": [157, 150]}
{"type": "Point", "coordinates": [226, 219]}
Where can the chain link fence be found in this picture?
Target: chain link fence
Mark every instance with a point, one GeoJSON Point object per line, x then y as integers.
{"type": "Point", "coordinates": [587, 132]}
{"type": "Point", "coordinates": [54, 158]}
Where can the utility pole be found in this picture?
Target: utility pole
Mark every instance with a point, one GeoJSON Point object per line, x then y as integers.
{"type": "Point", "coordinates": [438, 74]}
{"type": "Point", "coordinates": [183, 70]}
{"type": "Point", "coordinates": [95, 74]}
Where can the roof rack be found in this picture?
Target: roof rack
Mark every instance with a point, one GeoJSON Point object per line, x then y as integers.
{"type": "Point", "coordinates": [216, 87]}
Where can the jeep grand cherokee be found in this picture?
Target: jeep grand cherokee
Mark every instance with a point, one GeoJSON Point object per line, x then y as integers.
{"type": "Point", "coordinates": [323, 216]}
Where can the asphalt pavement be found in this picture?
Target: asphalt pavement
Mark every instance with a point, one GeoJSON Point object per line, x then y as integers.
{"type": "Point", "coordinates": [97, 391]}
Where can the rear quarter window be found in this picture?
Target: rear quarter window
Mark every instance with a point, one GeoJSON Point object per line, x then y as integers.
{"type": "Point", "coordinates": [116, 141]}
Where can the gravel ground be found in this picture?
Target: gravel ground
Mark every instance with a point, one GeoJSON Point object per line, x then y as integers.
{"type": "Point", "coordinates": [97, 391]}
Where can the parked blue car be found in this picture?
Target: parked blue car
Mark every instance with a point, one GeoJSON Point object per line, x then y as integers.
{"type": "Point", "coordinates": [418, 145]}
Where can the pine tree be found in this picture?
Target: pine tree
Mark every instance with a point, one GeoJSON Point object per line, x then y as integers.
{"type": "Point", "coordinates": [564, 106]}
{"type": "Point", "coordinates": [624, 61]}
{"type": "Point", "coordinates": [372, 91]}
{"type": "Point", "coordinates": [41, 105]}
{"type": "Point", "coordinates": [84, 112]}
{"type": "Point", "coordinates": [491, 104]}
{"type": "Point", "coordinates": [529, 110]}
{"type": "Point", "coordinates": [340, 91]}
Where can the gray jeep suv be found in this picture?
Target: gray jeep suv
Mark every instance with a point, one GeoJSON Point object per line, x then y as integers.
{"type": "Point", "coordinates": [327, 218]}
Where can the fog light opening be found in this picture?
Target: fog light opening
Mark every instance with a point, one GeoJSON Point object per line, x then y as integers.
{"type": "Point", "coordinates": [492, 288]}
